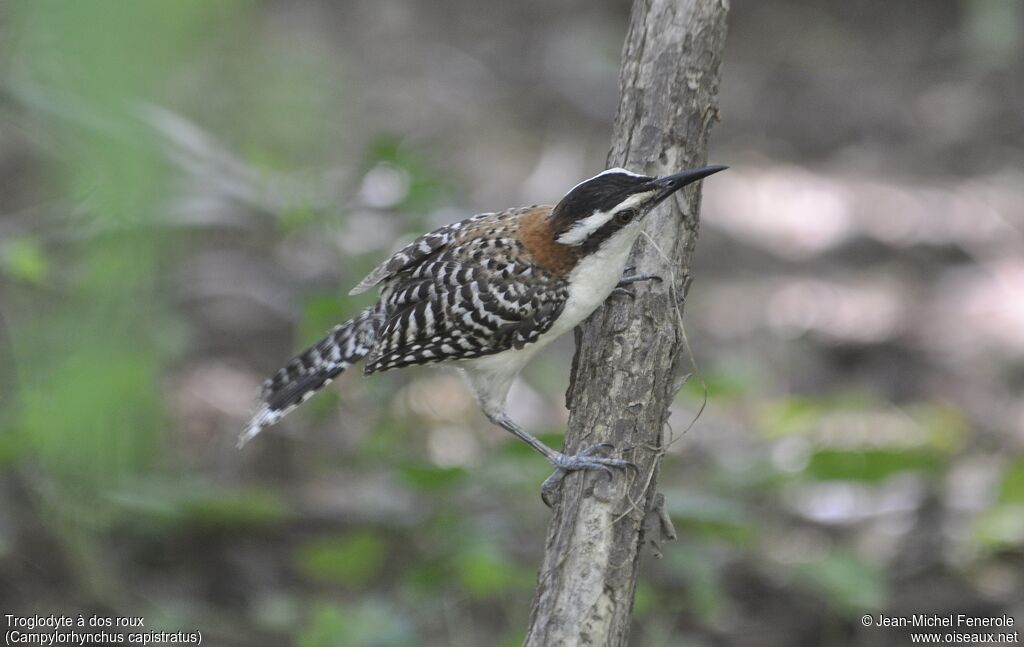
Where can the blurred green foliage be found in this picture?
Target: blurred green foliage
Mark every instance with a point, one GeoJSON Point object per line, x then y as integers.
{"type": "Point", "coordinates": [1001, 527]}
{"type": "Point", "coordinates": [351, 560]}
{"type": "Point", "coordinates": [91, 359]}
{"type": "Point", "coordinates": [24, 259]}
{"type": "Point", "coordinates": [703, 592]}
{"type": "Point", "coordinates": [803, 415]}
{"type": "Point", "coordinates": [871, 465]}
{"type": "Point", "coordinates": [484, 571]}
{"type": "Point", "coordinates": [428, 477]}
{"type": "Point", "coordinates": [321, 313]}
{"type": "Point", "coordinates": [370, 624]}
{"type": "Point", "coordinates": [166, 506]}
{"type": "Point", "coordinates": [719, 385]}
{"type": "Point", "coordinates": [91, 428]}
{"type": "Point", "coordinates": [712, 517]}
{"type": "Point", "coordinates": [852, 585]}
{"type": "Point", "coordinates": [427, 187]}
{"type": "Point", "coordinates": [1012, 488]}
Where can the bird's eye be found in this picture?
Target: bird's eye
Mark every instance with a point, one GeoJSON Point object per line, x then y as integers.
{"type": "Point", "coordinates": [625, 216]}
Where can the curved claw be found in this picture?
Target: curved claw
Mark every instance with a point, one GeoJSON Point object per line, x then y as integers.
{"type": "Point", "coordinates": [550, 487]}
{"type": "Point", "coordinates": [628, 279]}
{"type": "Point", "coordinates": [622, 287]}
{"type": "Point", "coordinates": [583, 460]}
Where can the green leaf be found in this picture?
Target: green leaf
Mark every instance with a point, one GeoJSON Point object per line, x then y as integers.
{"type": "Point", "coordinates": [872, 466]}
{"type": "Point", "coordinates": [484, 572]}
{"type": "Point", "coordinates": [645, 600]}
{"type": "Point", "coordinates": [803, 415]}
{"type": "Point", "coordinates": [1001, 527]}
{"type": "Point", "coordinates": [722, 385]}
{"type": "Point", "coordinates": [298, 217]}
{"type": "Point", "coordinates": [12, 446]}
{"type": "Point", "coordinates": [427, 577]}
{"type": "Point", "coordinates": [1012, 488]}
{"type": "Point", "coordinates": [791, 416]}
{"type": "Point", "coordinates": [159, 503]}
{"type": "Point", "coordinates": [352, 560]}
{"type": "Point", "coordinates": [424, 476]}
{"type": "Point", "coordinates": [326, 628]}
{"type": "Point", "coordinates": [24, 259]}
{"type": "Point", "coordinates": [92, 427]}
{"type": "Point", "coordinates": [235, 509]}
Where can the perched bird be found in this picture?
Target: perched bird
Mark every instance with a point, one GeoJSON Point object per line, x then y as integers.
{"type": "Point", "coordinates": [485, 295]}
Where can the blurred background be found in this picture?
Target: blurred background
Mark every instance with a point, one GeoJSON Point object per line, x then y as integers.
{"type": "Point", "coordinates": [188, 189]}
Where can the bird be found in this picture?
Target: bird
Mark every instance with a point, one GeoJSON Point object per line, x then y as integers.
{"type": "Point", "coordinates": [485, 295]}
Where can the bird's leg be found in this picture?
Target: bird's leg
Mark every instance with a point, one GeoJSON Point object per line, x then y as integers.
{"type": "Point", "coordinates": [584, 460]}
{"type": "Point", "coordinates": [630, 277]}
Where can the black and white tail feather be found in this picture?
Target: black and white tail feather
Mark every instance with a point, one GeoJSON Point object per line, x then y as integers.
{"type": "Point", "coordinates": [381, 329]}
{"type": "Point", "coordinates": [314, 369]}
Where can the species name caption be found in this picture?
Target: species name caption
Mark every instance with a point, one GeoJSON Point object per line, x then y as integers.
{"type": "Point", "coordinates": [59, 630]}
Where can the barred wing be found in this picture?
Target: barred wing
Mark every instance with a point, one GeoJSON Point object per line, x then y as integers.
{"type": "Point", "coordinates": [450, 309]}
{"type": "Point", "coordinates": [416, 252]}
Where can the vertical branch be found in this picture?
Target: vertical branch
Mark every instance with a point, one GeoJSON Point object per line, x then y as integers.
{"type": "Point", "coordinates": [631, 351]}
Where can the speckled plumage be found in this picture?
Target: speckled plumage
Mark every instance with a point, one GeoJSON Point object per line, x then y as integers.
{"type": "Point", "coordinates": [479, 291]}
{"type": "Point", "coordinates": [476, 287]}
{"type": "Point", "coordinates": [486, 294]}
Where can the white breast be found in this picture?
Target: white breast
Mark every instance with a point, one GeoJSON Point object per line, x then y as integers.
{"type": "Point", "coordinates": [594, 278]}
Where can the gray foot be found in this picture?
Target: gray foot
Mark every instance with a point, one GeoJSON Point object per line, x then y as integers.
{"type": "Point", "coordinates": [584, 460]}
{"type": "Point", "coordinates": [629, 278]}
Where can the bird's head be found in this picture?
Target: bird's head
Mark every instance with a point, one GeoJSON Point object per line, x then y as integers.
{"type": "Point", "coordinates": [612, 205]}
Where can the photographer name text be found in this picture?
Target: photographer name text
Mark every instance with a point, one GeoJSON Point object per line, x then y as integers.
{"type": "Point", "coordinates": [936, 620]}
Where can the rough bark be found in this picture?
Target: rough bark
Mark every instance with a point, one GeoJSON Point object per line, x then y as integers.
{"type": "Point", "coordinates": [630, 354]}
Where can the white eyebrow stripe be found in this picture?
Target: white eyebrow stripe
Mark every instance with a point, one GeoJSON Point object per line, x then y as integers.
{"type": "Point", "coordinates": [581, 229]}
{"type": "Point", "coordinates": [607, 172]}
{"type": "Point", "coordinates": [633, 201]}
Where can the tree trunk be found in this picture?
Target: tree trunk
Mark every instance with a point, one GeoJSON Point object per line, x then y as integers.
{"type": "Point", "coordinates": [631, 352]}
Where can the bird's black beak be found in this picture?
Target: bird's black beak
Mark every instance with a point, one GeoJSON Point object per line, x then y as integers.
{"type": "Point", "coordinates": [672, 183]}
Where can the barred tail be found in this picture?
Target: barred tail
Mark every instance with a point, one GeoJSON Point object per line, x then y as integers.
{"type": "Point", "coordinates": [292, 385]}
